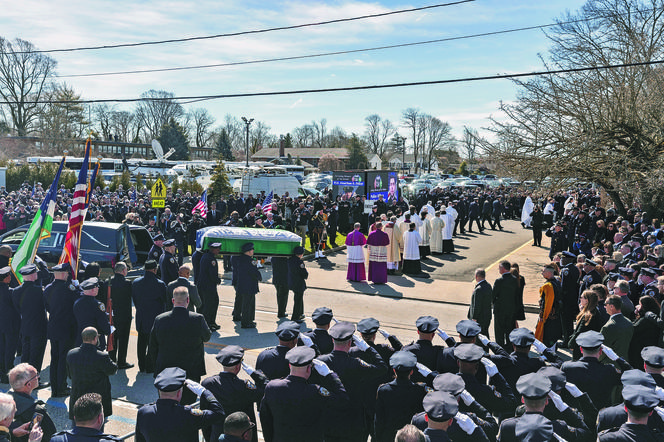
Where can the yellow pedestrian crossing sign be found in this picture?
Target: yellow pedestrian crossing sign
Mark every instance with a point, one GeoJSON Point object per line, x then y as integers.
{"type": "Point", "coordinates": [158, 190]}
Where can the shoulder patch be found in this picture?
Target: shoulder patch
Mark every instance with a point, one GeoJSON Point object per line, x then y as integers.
{"type": "Point", "coordinates": [250, 385]}
{"type": "Point", "coordinates": [565, 272]}
{"type": "Point", "coordinates": [428, 389]}
{"type": "Point", "coordinates": [323, 391]}
{"type": "Point", "coordinates": [214, 263]}
{"type": "Point", "coordinates": [196, 412]}
{"type": "Point", "coordinates": [496, 392]}
{"type": "Point", "coordinates": [101, 306]}
{"type": "Point", "coordinates": [302, 265]}
{"type": "Point", "coordinates": [172, 261]}
{"type": "Point", "coordinates": [363, 363]}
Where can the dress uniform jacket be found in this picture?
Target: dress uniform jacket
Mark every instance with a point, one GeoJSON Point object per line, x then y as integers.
{"type": "Point", "coordinates": [29, 301]}
{"type": "Point", "coordinates": [589, 280]}
{"type": "Point", "coordinates": [89, 312]}
{"type": "Point", "coordinates": [508, 430]}
{"type": "Point", "coordinates": [272, 362]}
{"type": "Point", "coordinates": [194, 298]}
{"type": "Point", "coordinates": [426, 353]}
{"type": "Point", "coordinates": [10, 318]}
{"type": "Point", "coordinates": [245, 275]}
{"type": "Point", "coordinates": [177, 340]}
{"type": "Point", "coordinates": [454, 432]}
{"type": "Point", "coordinates": [169, 421]}
{"type": "Point", "coordinates": [322, 340]}
{"type": "Point", "coordinates": [83, 434]}
{"type": "Point", "coordinates": [89, 369]}
{"type": "Point", "coordinates": [168, 266]}
{"type": "Point", "coordinates": [514, 365]}
{"type": "Point", "coordinates": [594, 378]}
{"type": "Point", "coordinates": [294, 410]}
{"type": "Point", "coordinates": [614, 417]}
{"type": "Point", "coordinates": [155, 252]}
{"type": "Point", "coordinates": [59, 298]}
{"type": "Point", "coordinates": [121, 297]}
{"type": "Point", "coordinates": [297, 274]}
{"type": "Point", "coordinates": [630, 432]}
{"type": "Point", "coordinates": [234, 394]}
{"type": "Point", "coordinates": [497, 397]}
{"type": "Point", "coordinates": [505, 300]}
{"type": "Point", "coordinates": [396, 403]}
{"type": "Point", "coordinates": [209, 272]}
{"type": "Point", "coordinates": [149, 295]}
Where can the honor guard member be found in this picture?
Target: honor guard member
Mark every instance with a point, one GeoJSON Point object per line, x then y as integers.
{"type": "Point", "coordinates": [280, 283]}
{"type": "Point", "coordinates": [649, 278]}
{"type": "Point", "coordinates": [28, 299]}
{"type": "Point", "coordinates": [398, 401]}
{"type": "Point", "coordinates": [272, 361]}
{"type": "Point", "coordinates": [122, 314]}
{"type": "Point", "coordinates": [354, 373]}
{"type": "Point", "coordinates": [468, 331]}
{"type": "Point", "coordinates": [233, 393]}
{"type": "Point", "coordinates": [207, 281]}
{"type": "Point", "coordinates": [591, 376]}
{"type": "Point", "coordinates": [59, 297]}
{"type": "Point", "coordinates": [535, 390]}
{"type": "Point", "coordinates": [639, 403]}
{"type": "Point", "coordinates": [443, 421]}
{"type": "Point", "coordinates": [89, 312]}
{"type": "Point", "coordinates": [157, 249]}
{"type": "Point", "coordinates": [569, 280]}
{"type": "Point", "coordinates": [10, 323]}
{"type": "Point", "coordinates": [168, 266]}
{"type": "Point", "coordinates": [245, 280]}
{"type": "Point", "coordinates": [196, 264]}
{"type": "Point", "coordinates": [653, 363]}
{"type": "Point", "coordinates": [426, 352]}
{"type": "Point", "coordinates": [615, 416]}
{"type": "Point", "coordinates": [591, 276]}
{"type": "Point", "coordinates": [149, 296]}
{"type": "Point", "coordinates": [297, 276]}
{"type": "Point", "coordinates": [497, 397]}
{"type": "Point", "coordinates": [294, 410]}
{"type": "Point", "coordinates": [322, 317]}
{"type": "Point", "coordinates": [88, 422]}
{"type": "Point", "coordinates": [167, 419]}
{"type": "Point", "coordinates": [368, 328]}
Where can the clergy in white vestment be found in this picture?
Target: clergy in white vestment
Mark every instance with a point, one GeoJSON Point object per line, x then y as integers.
{"type": "Point", "coordinates": [425, 233]}
{"type": "Point", "coordinates": [526, 211]}
{"type": "Point", "coordinates": [396, 245]}
{"type": "Point", "coordinates": [448, 230]}
{"type": "Point", "coordinates": [411, 251]}
{"type": "Point", "coordinates": [436, 239]}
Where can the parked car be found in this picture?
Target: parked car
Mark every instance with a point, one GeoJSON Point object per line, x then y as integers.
{"type": "Point", "coordinates": [104, 243]}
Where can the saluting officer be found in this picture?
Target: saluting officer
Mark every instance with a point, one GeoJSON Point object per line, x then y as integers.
{"type": "Point", "coordinates": [10, 322]}
{"type": "Point", "coordinates": [297, 275]}
{"type": "Point", "coordinates": [653, 362]}
{"type": "Point", "coordinates": [322, 317]}
{"type": "Point", "coordinates": [591, 277]}
{"type": "Point", "coordinates": [59, 297]}
{"type": "Point", "coordinates": [468, 331]}
{"type": "Point", "coordinates": [272, 361]}
{"type": "Point", "coordinates": [149, 296]}
{"type": "Point", "coordinates": [639, 403]}
{"type": "Point", "coordinates": [207, 280]}
{"type": "Point", "coordinates": [89, 312]}
{"type": "Point", "coordinates": [233, 393]}
{"type": "Point", "coordinates": [167, 419]}
{"type": "Point", "coordinates": [28, 299]}
{"type": "Point", "coordinates": [426, 352]}
{"type": "Point", "coordinates": [167, 264]}
{"type": "Point", "coordinates": [245, 280]}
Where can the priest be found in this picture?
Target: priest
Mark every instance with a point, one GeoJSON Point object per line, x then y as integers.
{"type": "Point", "coordinates": [436, 239]}
{"type": "Point", "coordinates": [448, 229]}
{"type": "Point", "coordinates": [396, 244]}
{"type": "Point", "coordinates": [378, 242]}
{"type": "Point", "coordinates": [355, 254]}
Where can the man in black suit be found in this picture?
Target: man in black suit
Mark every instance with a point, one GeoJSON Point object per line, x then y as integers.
{"type": "Point", "coordinates": [89, 369]}
{"type": "Point", "coordinates": [505, 298]}
{"type": "Point", "coordinates": [480, 304]}
{"type": "Point", "coordinates": [297, 275]}
{"type": "Point", "coordinates": [178, 338]}
{"type": "Point", "coordinates": [121, 298]}
{"type": "Point", "coordinates": [245, 280]}
{"type": "Point", "coordinates": [149, 295]}
{"type": "Point", "coordinates": [213, 216]}
{"type": "Point", "coordinates": [183, 281]}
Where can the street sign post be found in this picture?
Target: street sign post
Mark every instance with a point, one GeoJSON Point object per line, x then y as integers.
{"type": "Point", "coordinates": [158, 194]}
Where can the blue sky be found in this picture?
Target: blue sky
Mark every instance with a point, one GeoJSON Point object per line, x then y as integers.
{"type": "Point", "coordinates": [73, 23]}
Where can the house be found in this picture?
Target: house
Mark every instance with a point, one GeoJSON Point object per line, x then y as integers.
{"type": "Point", "coordinates": [395, 163]}
{"type": "Point", "coordinates": [310, 155]}
{"type": "Point", "coordinates": [374, 162]}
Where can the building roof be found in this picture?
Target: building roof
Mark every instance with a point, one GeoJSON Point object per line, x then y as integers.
{"type": "Point", "coordinates": [303, 153]}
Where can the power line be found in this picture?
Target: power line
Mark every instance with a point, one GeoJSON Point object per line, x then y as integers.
{"type": "Point", "coordinates": [350, 88]}
{"type": "Point", "coordinates": [255, 31]}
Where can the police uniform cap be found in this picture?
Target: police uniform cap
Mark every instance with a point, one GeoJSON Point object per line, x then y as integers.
{"type": "Point", "coordinates": [637, 238]}
{"type": "Point", "coordinates": [468, 328]}
{"type": "Point", "coordinates": [640, 399]}
{"type": "Point", "coordinates": [403, 360]}
{"type": "Point", "coordinates": [247, 246]}
{"type": "Point", "coordinates": [450, 383]}
{"type": "Point", "coordinates": [533, 428]}
{"type": "Point", "coordinates": [590, 339]}
{"type": "Point", "coordinates": [342, 331]}
{"type": "Point", "coordinates": [150, 264]}
{"type": "Point", "coordinates": [569, 254]}
{"type": "Point", "coordinates": [64, 267]}
{"type": "Point", "coordinates": [28, 270]}
{"type": "Point", "coordinates": [522, 337]}
{"type": "Point", "coordinates": [169, 242]}
{"type": "Point", "coordinates": [648, 271]}
{"type": "Point", "coordinates": [440, 406]}
{"type": "Point", "coordinates": [288, 330]}
{"type": "Point", "coordinates": [322, 315]}
{"type": "Point", "coordinates": [653, 356]}
{"type": "Point", "coordinates": [555, 375]}
{"type": "Point", "coordinates": [634, 378]}
{"type": "Point", "coordinates": [300, 356]}
{"type": "Point", "coordinates": [5, 271]}
{"type": "Point", "coordinates": [230, 355]}
{"type": "Point", "coordinates": [533, 386]}
{"type": "Point", "coordinates": [468, 352]}
{"type": "Point", "coordinates": [368, 325]}
{"type": "Point", "coordinates": [215, 245]}
{"type": "Point", "coordinates": [170, 379]}
{"type": "Point", "coordinates": [299, 250]}
{"type": "Point", "coordinates": [626, 270]}
{"type": "Point", "coordinates": [590, 262]}
{"type": "Point", "coordinates": [652, 257]}
{"type": "Point", "coordinates": [427, 324]}
{"type": "Point", "coordinates": [89, 284]}
{"type": "Point", "coordinates": [159, 237]}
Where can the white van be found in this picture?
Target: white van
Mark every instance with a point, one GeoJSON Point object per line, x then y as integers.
{"type": "Point", "coordinates": [277, 183]}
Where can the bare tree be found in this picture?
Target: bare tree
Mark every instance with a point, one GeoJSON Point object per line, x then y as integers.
{"type": "Point", "coordinates": [320, 132]}
{"type": "Point", "coordinates": [414, 122]}
{"type": "Point", "coordinates": [378, 134]}
{"type": "Point", "coordinates": [235, 130]}
{"type": "Point", "coordinates": [24, 74]}
{"type": "Point", "coordinates": [201, 121]}
{"type": "Point", "coordinates": [63, 119]}
{"type": "Point", "coordinates": [104, 116]}
{"type": "Point", "coordinates": [470, 143]}
{"type": "Point", "coordinates": [304, 136]}
{"type": "Point", "coordinates": [259, 136]}
{"type": "Point", "coordinates": [155, 110]}
{"type": "Point", "coordinates": [436, 137]}
{"type": "Point", "coordinates": [121, 123]}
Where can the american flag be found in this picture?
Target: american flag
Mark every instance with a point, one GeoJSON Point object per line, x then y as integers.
{"type": "Point", "coordinates": [71, 250]}
{"type": "Point", "coordinates": [201, 205]}
{"type": "Point", "coordinates": [267, 203]}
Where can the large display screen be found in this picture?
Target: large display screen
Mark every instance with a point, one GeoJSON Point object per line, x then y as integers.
{"type": "Point", "coordinates": [382, 182]}
{"type": "Point", "coordinates": [349, 183]}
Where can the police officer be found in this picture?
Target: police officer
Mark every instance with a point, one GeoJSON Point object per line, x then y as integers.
{"type": "Point", "coordinates": [297, 275]}
{"type": "Point", "coordinates": [167, 419]}
{"type": "Point", "coordinates": [207, 281]}
{"type": "Point", "coordinates": [272, 361]}
{"type": "Point", "coordinates": [59, 297]}
{"type": "Point", "coordinates": [122, 314]}
{"type": "Point", "coordinates": [157, 248]}
{"type": "Point", "coordinates": [167, 264]}
{"type": "Point", "coordinates": [149, 296]}
{"type": "Point", "coordinates": [28, 299]}
{"type": "Point", "coordinates": [426, 352]}
{"type": "Point", "coordinates": [468, 331]}
{"type": "Point", "coordinates": [280, 282]}
{"type": "Point", "coordinates": [322, 317]}
{"type": "Point", "coordinates": [233, 393]}
{"type": "Point", "coordinates": [591, 275]}
{"type": "Point", "coordinates": [245, 280]}
{"type": "Point", "coordinates": [648, 277]}
{"type": "Point", "coordinates": [178, 231]}
{"type": "Point", "coordinates": [639, 403]}
{"type": "Point", "coordinates": [653, 360]}
{"type": "Point", "coordinates": [89, 312]}
{"type": "Point", "coordinates": [569, 280]}
{"type": "Point", "coordinates": [10, 323]}
{"type": "Point", "coordinates": [296, 410]}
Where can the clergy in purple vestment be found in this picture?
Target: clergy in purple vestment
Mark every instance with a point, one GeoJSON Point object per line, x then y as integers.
{"type": "Point", "coordinates": [355, 254]}
{"type": "Point", "coordinates": [378, 242]}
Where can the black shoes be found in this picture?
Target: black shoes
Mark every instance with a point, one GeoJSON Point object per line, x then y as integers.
{"type": "Point", "coordinates": [61, 393]}
{"type": "Point", "coordinates": [125, 366]}
{"type": "Point", "coordinates": [250, 325]}
{"type": "Point", "coordinates": [43, 385]}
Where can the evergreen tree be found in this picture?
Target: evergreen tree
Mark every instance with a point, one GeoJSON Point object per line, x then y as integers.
{"type": "Point", "coordinates": [223, 146]}
{"type": "Point", "coordinates": [172, 136]}
{"type": "Point", "coordinates": [356, 157]}
{"type": "Point", "coordinates": [220, 184]}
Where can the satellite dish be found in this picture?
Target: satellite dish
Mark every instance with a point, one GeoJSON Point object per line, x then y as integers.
{"type": "Point", "coordinates": [159, 151]}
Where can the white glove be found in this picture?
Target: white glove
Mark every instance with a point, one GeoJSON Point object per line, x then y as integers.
{"type": "Point", "coordinates": [609, 353]}
{"type": "Point", "coordinates": [306, 340]}
{"type": "Point", "coordinates": [573, 389]}
{"type": "Point", "coordinates": [491, 368]}
{"type": "Point", "coordinates": [335, 320]}
{"type": "Point", "coordinates": [442, 334]}
{"type": "Point", "coordinates": [558, 401]}
{"type": "Point", "coordinates": [423, 369]}
{"type": "Point", "coordinates": [660, 411]}
{"type": "Point", "coordinates": [195, 387]}
{"type": "Point", "coordinates": [539, 346]}
{"type": "Point", "coordinates": [558, 438]}
{"type": "Point", "coordinates": [247, 368]}
{"type": "Point", "coordinates": [359, 343]}
{"type": "Point", "coordinates": [467, 398]}
{"type": "Point", "coordinates": [483, 339]}
{"type": "Point", "coordinates": [660, 393]}
{"type": "Point", "coordinates": [465, 423]}
{"type": "Point", "coordinates": [321, 367]}
{"type": "Point", "coordinates": [384, 333]}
